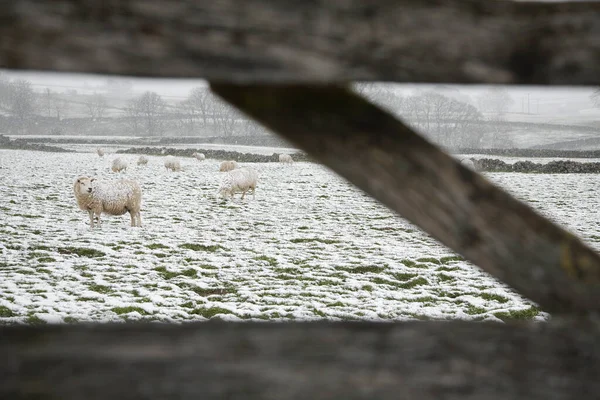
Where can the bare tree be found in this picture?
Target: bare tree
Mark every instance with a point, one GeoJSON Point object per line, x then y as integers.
{"type": "Point", "coordinates": [446, 121]}
{"type": "Point", "coordinates": [96, 106]}
{"type": "Point", "coordinates": [496, 101]}
{"type": "Point", "coordinates": [595, 96]}
{"type": "Point", "coordinates": [21, 103]}
{"type": "Point", "coordinates": [147, 111]}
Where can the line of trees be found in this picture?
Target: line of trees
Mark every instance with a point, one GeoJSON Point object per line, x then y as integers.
{"type": "Point", "coordinates": [445, 117]}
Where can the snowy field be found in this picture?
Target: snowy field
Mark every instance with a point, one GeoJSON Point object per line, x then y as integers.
{"type": "Point", "coordinates": [310, 246]}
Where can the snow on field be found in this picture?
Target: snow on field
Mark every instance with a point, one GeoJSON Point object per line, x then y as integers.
{"type": "Point", "coordinates": [310, 246]}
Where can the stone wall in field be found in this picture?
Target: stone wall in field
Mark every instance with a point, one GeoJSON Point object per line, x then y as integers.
{"type": "Point", "coordinates": [215, 154]}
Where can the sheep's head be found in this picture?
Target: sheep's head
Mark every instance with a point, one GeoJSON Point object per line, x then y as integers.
{"type": "Point", "coordinates": [84, 185]}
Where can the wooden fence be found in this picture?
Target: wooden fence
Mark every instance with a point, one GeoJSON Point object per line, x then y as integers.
{"type": "Point", "coordinates": [286, 64]}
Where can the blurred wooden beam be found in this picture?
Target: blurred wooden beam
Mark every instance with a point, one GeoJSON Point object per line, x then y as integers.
{"type": "Point", "coordinates": [420, 360]}
{"type": "Point", "coordinates": [460, 208]}
{"type": "Point", "coordinates": [269, 41]}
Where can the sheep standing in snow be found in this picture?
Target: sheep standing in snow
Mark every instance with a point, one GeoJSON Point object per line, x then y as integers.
{"type": "Point", "coordinates": [143, 160]}
{"type": "Point", "coordinates": [467, 162]}
{"type": "Point", "coordinates": [100, 152]}
{"type": "Point", "coordinates": [119, 165]}
{"type": "Point", "coordinates": [228, 166]}
{"type": "Point", "coordinates": [285, 158]}
{"type": "Point", "coordinates": [113, 198]}
{"type": "Point", "coordinates": [199, 156]}
{"type": "Point", "coordinates": [172, 163]}
{"type": "Point", "coordinates": [239, 180]}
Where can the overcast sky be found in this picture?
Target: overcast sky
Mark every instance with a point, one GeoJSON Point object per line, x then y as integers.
{"type": "Point", "coordinates": [543, 99]}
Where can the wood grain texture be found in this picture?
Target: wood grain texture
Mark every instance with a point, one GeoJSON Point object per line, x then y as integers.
{"type": "Point", "coordinates": [316, 41]}
{"type": "Point", "coordinates": [458, 207]}
{"type": "Point", "coordinates": [418, 360]}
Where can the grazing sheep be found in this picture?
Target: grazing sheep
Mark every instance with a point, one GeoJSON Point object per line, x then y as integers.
{"type": "Point", "coordinates": [100, 152]}
{"type": "Point", "coordinates": [285, 158]}
{"type": "Point", "coordinates": [199, 156]}
{"type": "Point", "coordinates": [228, 166]}
{"type": "Point", "coordinates": [467, 162]}
{"type": "Point", "coordinates": [143, 160]}
{"type": "Point", "coordinates": [172, 163]}
{"type": "Point", "coordinates": [238, 180]}
{"type": "Point", "coordinates": [112, 197]}
{"type": "Point", "coordinates": [119, 165]}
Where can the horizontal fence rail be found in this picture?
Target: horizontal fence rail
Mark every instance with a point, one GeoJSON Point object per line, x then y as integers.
{"type": "Point", "coordinates": [269, 41]}
{"type": "Point", "coordinates": [418, 360]}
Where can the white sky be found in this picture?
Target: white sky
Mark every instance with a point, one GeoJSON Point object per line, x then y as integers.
{"type": "Point", "coordinates": [543, 99]}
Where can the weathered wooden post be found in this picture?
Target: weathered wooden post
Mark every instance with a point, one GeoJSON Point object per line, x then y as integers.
{"type": "Point", "coordinates": [285, 64]}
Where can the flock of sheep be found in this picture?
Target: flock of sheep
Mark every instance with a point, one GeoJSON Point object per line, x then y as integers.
{"type": "Point", "coordinates": [125, 195]}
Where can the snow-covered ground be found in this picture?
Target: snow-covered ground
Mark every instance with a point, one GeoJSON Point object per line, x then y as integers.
{"type": "Point", "coordinates": [310, 246]}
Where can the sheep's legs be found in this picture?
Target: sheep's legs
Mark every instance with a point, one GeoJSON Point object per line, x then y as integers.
{"type": "Point", "coordinates": [136, 219]}
{"type": "Point", "coordinates": [91, 214]}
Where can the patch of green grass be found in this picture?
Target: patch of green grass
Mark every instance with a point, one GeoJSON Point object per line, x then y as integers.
{"type": "Point", "coordinates": [6, 312]}
{"type": "Point", "coordinates": [303, 228]}
{"type": "Point", "coordinates": [154, 246]}
{"type": "Point", "coordinates": [32, 319]}
{"type": "Point", "coordinates": [201, 247]}
{"type": "Point", "coordinates": [39, 247]}
{"type": "Point", "coordinates": [205, 292]}
{"type": "Point", "coordinates": [474, 310]}
{"type": "Point", "coordinates": [415, 282]}
{"type": "Point", "coordinates": [336, 304]}
{"type": "Point", "coordinates": [308, 240]}
{"type": "Point", "coordinates": [428, 260]}
{"type": "Point", "coordinates": [129, 309]}
{"type": "Point", "coordinates": [362, 269]}
{"type": "Point", "coordinates": [446, 260]}
{"type": "Point", "coordinates": [269, 260]}
{"type": "Point", "coordinates": [319, 313]}
{"type": "Point", "coordinates": [287, 270]}
{"type": "Point", "coordinates": [368, 288]}
{"type": "Point", "coordinates": [447, 269]}
{"type": "Point", "coordinates": [70, 320]}
{"type": "Point", "coordinates": [494, 297]}
{"type": "Point", "coordinates": [189, 304]}
{"type": "Point", "coordinates": [527, 314]}
{"type": "Point", "coordinates": [403, 276]}
{"type": "Point", "coordinates": [381, 281]}
{"type": "Point", "coordinates": [44, 270]}
{"type": "Point", "coordinates": [166, 274]}
{"type": "Point", "coordinates": [445, 278]}
{"type": "Point", "coordinates": [46, 259]}
{"type": "Point", "coordinates": [129, 266]}
{"type": "Point", "coordinates": [412, 264]}
{"type": "Point", "coordinates": [100, 288]}
{"type": "Point", "coordinates": [210, 312]}
{"type": "Point", "coordinates": [81, 251]}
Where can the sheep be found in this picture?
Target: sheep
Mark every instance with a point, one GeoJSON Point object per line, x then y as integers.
{"type": "Point", "coordinates": [285, 158]}
{"type": "Point", "coordinates": [199, 156]}
{"type": "Point", "coordinates": [467, 162]}
{"type": "Point", "coordinates": [100, 152]}
{"type": "Point", "coordinates": [119, 165]}
{"type": "Point", "coordinates": [110, 197]}
{"type": "Point", "coordinates": [143, 160]}
{"type": "Point", "coordinates": [228, 166]}
{"type": "Point", "coordinates": [172, 163]}
{"type": "Point", "coordinates": [238, 180]}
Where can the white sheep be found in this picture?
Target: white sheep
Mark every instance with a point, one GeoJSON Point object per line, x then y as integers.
{"type": "Point", "coordinates": [172, 163]}
{"type": "Point", "coordinates": [143, 160]}
{"type": "Point", "coordinates": [285, 158]}
{"type": "Point", "coordinates": [119, 165]}
{"type": "Point", "coordinates": [111, 197]}
{"type": "Point", "coordinates": [228, 166]}
{"type": "Point", "coordinates": [100, 152]}
{"type": "Point", "coordinates": [199, 156]}
{"type": "Point", "coordinates": [238, 180]}
{"type": "Point", "coordinates": [467, 162]}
